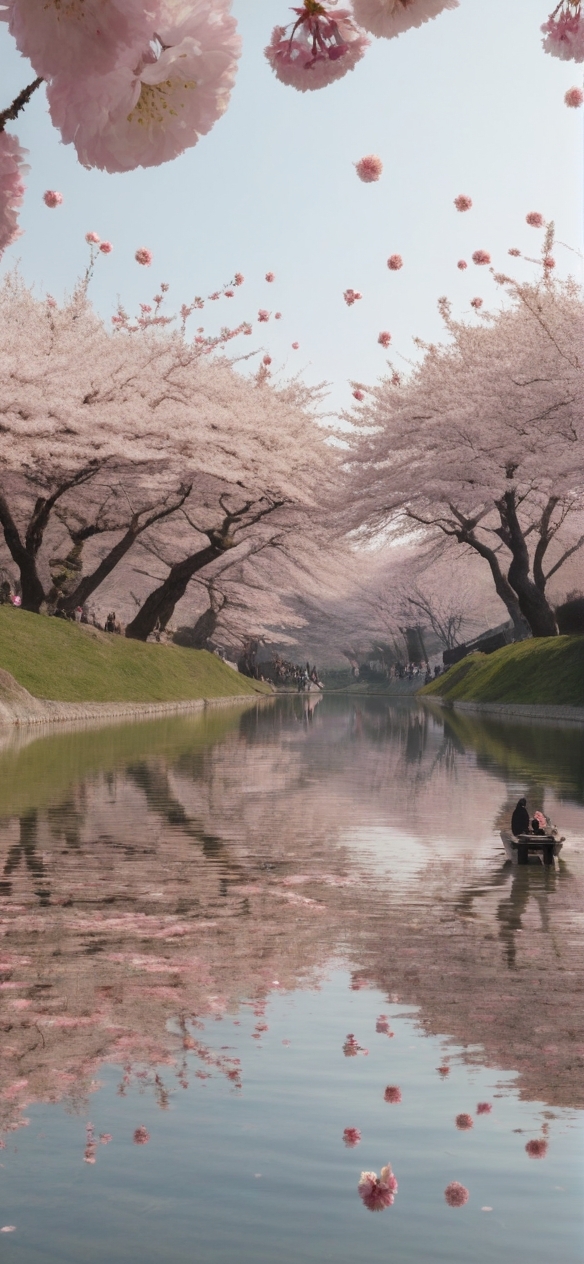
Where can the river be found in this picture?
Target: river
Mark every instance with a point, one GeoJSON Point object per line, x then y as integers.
{"type": "Point", "coordinates": [248, 954]}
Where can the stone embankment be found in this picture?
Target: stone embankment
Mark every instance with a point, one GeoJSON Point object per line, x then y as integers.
{"type": "Point", "coordinates": [19, 707]}
{"type": "Point", "coordinates": [514, 710]}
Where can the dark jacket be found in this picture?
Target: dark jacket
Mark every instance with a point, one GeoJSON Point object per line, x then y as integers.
{"type": "Point", "coordinates": [520, 820]}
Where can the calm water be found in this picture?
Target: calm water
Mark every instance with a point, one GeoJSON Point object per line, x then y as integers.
{"type": "Point", "coordinates": [195, 914]}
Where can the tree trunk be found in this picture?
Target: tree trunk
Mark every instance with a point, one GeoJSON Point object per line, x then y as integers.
{"type": "Point", "coordinates": [33, 593]}
{"type": "Point", "coordinates": [533, 603]}
{"type": "Point", "coordinates": [159, 605]}
{"type": "Point", "coordinates": [521, 626]}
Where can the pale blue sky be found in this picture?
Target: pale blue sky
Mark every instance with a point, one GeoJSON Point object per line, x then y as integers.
{"type": "Point", "coordinates": [468, 104]}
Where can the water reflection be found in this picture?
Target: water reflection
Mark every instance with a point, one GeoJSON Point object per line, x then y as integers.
{"type": "Point", "coordinates": [155, 876]}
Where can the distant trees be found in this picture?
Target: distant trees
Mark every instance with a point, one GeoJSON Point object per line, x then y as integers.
{"type": "Point", "coordinates": [482, 447]}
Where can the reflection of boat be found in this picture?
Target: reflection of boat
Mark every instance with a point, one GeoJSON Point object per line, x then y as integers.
{"type": "Point", "coordinates": [538, 848]}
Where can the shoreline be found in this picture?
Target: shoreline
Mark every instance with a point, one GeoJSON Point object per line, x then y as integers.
{"type": "Point", "coordinates": [16, 714]}
{"type": "Point", "coordinates": [519, 710]}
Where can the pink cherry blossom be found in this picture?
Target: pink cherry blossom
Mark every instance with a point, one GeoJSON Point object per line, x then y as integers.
{"type": "Point", "coordinates": [456, 1195]}
{"type": "Point", "coordinates": [229, 293]}
{"type": "Point", "coordinates": [267, 359]}
{"type": "Point", "coordinates": [394, 263]}
{"type": "Point", "coordinates": [574, 97]}
{"type": "Point", "coordinates": [351, 296]}
{"type": "Point", "coordinates": [352, 1047]}
{"type": "Point", "coordinates": [463, 202]}
{"type": "Point", "coordinates": [464, 1122]}
{"type": "Point", "coordinates": [77, 39]}
{"type": "Point", "coordinates": [144, 256]}
{"type": "Point", "coordinates": [52, 198]}
{"type": "Point", "coordinates": [12, 169]}
{"type": "Point", "coordinates": [443, 1071]}
{"type": "Point", "coordinates": [369, 169]}
{"type": "Point", "coordinates": [564, 32]}
{"type": "Point", "coordinates": [462, 264]}
{"type": "Point", "coordinates": [535, 219]}
{"type": "Point", "coordinates": [351, 1137]}
{"type": "Point", "coordinates": [388, 18]}
{"type": "Point", "coordinates": [278, 316]}
{"type": "Point", "coordinates": [537, 1149]}
{"type": "Point", "coordinates": [358, 395]}
{"type": "Point", "coordinates": [263, 315]}
{"type": "Point", "coordinates": [141, 1136]}
{"type": "Point", "coordinates": [92, 239]}
{"type": "Point", "coordinates": [164, 93]}
{"type": "Point", "coordinates": [384, 338]}
{"type": "Point", "coordinates": [106, 247]}
{"type": "Point", "coordinates": [295, 346]}
{"type": "Point", "coordinates": [319, 47]}
{"type": "Point", "coordinates": [105, 1138]}
{"type": "Point", "coordinates": [484, 1108]}
{"type": "Point", "coordinates": [549, 262]}
{"type": "Point", "coordinates": [481, 257]}
{"type": "Point", "coordinates": [238, 279]}
{"type": "Point", "coordinates": [515, 252]}
{"type": "Point", "coordinates": [392, 1094]}
{"type": "Point", "coordinates": [270, 276]}
{"type": "Point", "coordinates": [476, 303]}
{"type": "Point", "coordinates": [375, 1192]}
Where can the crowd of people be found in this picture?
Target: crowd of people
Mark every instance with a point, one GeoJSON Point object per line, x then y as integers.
{"type": "Point", "coordinates": [292, 675]}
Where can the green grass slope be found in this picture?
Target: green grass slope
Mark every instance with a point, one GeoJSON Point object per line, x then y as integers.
{"type": "Point", "coordinates": [545, 671]}
{"type": "Point", "coordinates": [55, 659]}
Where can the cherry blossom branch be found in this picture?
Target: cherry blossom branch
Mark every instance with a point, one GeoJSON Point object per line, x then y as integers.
{"type": "Point", "coordinates": [19, 103]}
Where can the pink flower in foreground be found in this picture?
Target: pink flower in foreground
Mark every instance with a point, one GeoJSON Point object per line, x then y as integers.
{"type": "Point", "coordinates": [144, 256]}
{"type": "Point", "coordinates": [141, 1136]}
{"type": "Point", "coordinates": [12, 169]}
{"type": "Point", "coordinates": [388, 18]}
{"type": "Point", "coordinates": [456, 1195]}
{"type": "Point", "coordinates": [481, 257]}
{"type": "Point", "coordinates": [270, 276]}
{"type": "Point", "coordinates": [549, 263]}
{"type": "Point", "coordinates": [394, 263]}
{"type": "Point", "coordinates": [238, 279]}
{"type": "Point", "coordinates": [476, 303]}
{"type": "Point", "coordinates": [164, 93]}
{"type": "Point", "coordinates": [267, 359]}
{"type": "Point", "coordinates": [319, 47]}
{"type": "Point", "coordinates": [351, 296]}
{"type": "Point", "coordinates": [462, 202]}
{"type": "Point", "coordinates": [369, 169]}
{"type": "Point", "coordinates": [358, 395]}
{"type": "Point", "coordinates": [535, 219]}
{"type": "Point", "coordinates": [263, 315]}
{"type": "Point", "coordinates": [278, 316]}
{"type": "Point", "coordinates": [574, 97]}
{"type": "Point", "coordinates": [92, 239]}
{"type": "Point", "coordinates": [484, 1108]}
{"type": "Point", "coordinates": [77, 39]}
{"type": "Point", "coordinates": [52, 198]}
{"type": "Point", "coordinates": [464, 1122]}
{"type": "Point", "coordinates": [515, 252]}
{"type": "Point", "coordinates": [351, 1137]}
{"type": "Point", "coordinates": [384, 338]}
{"type": "Point", "coordinates": [106, 247]}
{"type": "Point", "coordinates": [462, 264]}
{"type": "Point", "coordinates": [392, 1094]}
{"type": "Point", "coordinates": [564, 32]}
{"type": "Point", "coordinates": [295, 346]}
{"type": "Point", "coordinates": [537, 1149]}
{"type": "Point", "coordinates": [229, 293]}
{"type": "Point", "coordinates": [378, 1193]}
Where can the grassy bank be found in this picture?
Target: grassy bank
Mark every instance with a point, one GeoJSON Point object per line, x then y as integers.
{"type": "Point", "coordinates": [56, 659]}
{"type": "Point", "coordinates": [547, 671]}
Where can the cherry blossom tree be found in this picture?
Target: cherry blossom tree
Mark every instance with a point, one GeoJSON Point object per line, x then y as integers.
{"type": "Point", "coordinates": [482, 447]}
{"type": "Point", "coordinates": [109, 434]}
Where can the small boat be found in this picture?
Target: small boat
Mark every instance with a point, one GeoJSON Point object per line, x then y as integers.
{"type": "Point", "coordinates": [532, 848]}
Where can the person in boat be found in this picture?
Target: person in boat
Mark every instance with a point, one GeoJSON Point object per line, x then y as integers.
{"type": "Point", "coordinates": [536, 826]}
{"type": "Point", "coordinates": [520, 819]}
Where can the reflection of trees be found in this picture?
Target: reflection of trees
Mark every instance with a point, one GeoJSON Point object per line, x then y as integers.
{"type": "Point", "coordinates": [193, 872]}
